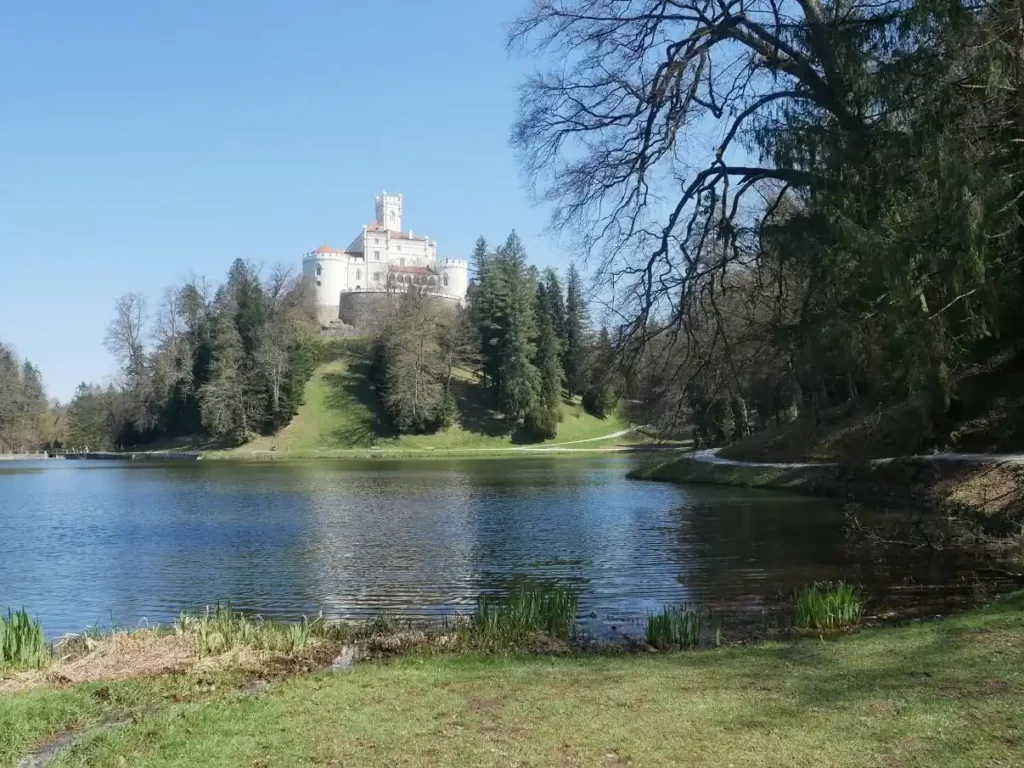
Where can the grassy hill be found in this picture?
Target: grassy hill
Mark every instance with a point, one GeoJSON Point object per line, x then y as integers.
{"type": "Point", "coordinates": [343, 413]}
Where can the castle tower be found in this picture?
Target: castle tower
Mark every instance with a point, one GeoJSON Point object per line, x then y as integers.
{"type": "Point", "coordinates": [455, 278]}
{"type": "Point", "coordinates": [389, 211]}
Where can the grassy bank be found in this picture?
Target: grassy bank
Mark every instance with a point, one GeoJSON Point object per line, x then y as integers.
{"type": "Point", "coordinates": [940, 693]}
{"type": "Point", "coordinates": [342, 416]}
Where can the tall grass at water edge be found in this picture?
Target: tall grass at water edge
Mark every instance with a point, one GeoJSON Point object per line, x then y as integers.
{"type": "Point", "coordinates": [22, 642]}
{"type": "Point", "coordinates": [828, 606]}
{"type": "Point", "coordinates": [527, 610]}
{"type": "Point", "coordinates": [675, 627]}
{"type": "Point", "coordinates": [222, 628]}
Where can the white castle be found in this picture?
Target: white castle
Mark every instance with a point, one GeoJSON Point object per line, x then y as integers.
{"type": "Point", "coordinates": [383, 259]}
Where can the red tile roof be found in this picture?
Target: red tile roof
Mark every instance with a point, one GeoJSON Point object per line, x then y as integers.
{"type": "Point", "coordinates": [328, 249]}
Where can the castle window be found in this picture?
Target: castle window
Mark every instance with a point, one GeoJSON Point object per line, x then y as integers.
{"type": "Point", "coordinates": [318, 283]}
{"type": "Point", "coordinates": [376, 277]}
{"type": "Point", "coordinates": [359, 274]}
{"type": "Point", "coordinates": [446, 281]}
{"type": "Point", "coordinates": [401, 262]}
{"type": "Point", "coordinates": [319, 270]}
{"type": "Point", "coordinates": [376, 255]}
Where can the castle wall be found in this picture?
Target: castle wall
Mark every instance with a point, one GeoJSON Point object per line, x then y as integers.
{"type": "Point", "coordinates": [363, 311]}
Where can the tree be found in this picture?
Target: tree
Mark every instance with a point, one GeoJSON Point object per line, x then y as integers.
{"type": "Point", "coordinates": [230, 409]}
{"type": "Point", "coordinates": [600, 396]}
{"type": "Point", "coordinates": [415, 371]}
{"type": "Point", "coordinates": [577, 322]}
{"type": "Point", "coordinates": [542, 420]}
{"type": "Point", "coordinates": [125, 340]}
{"type": "Point", "coordinates": [514, 326]}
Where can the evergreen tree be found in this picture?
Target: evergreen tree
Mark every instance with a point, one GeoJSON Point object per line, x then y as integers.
{"type": "Point", "coordinates": [542, 420]}
{"type": "Point", "coordinates": [577, 324]}
{"type": "Point", "coordinates": [555, 304]}
{"type": "Point", "coordinates": [601, 395]}
{"type": "Point", "coordinates": [228, 406]}
{"type": "Point", "coordinates": [514, 325]}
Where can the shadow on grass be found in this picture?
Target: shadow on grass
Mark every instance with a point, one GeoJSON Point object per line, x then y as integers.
{"type": "Point", "coordinates": [354, 384]}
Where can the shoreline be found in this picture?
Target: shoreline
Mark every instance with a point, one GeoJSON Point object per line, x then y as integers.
{"type": "Point", "coordinates": [972, 483]}
{"type": "Point", "coordinates": [917, 690]}
{"type": "Point", "coordinates": [363, 453]}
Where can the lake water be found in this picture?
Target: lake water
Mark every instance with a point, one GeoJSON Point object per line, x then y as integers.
{"type": "Point", "coordinates": [98, 543]}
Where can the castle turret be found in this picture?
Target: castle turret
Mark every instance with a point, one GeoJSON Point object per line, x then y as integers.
{"type": "Point", "coordinates": [455, 278]}
{"type": "Point", "coordinates": [326, 273]}
{"type": "Point", "coordinates": [389, 211]}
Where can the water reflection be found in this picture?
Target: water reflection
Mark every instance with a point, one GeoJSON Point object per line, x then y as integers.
{"type": "Point", "coordinates": [82, 543]}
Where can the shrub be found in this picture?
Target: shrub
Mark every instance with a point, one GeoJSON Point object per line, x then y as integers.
{"type": "Point", "coordinates": [828, 606]}
{"type": "Point", "coordinates": [674, 627]}
{"type": "Point", "coordinates": [542, 423]}
{"type": "Point", "coordinates": [22, 642]}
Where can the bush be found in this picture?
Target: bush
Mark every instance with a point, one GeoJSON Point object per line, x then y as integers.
{"type": "Point", "coordinates": [599, 399]}
{"type": "Point", "coordinates": [542, 423]}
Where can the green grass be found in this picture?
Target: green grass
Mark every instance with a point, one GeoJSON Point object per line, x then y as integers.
{"type": "Point", "coordinates": [527, 610]}
{"type": "Point", "coordinates": [828, 606]}
{"type": "Point", "coordinates": [675, 627]}
{"type": "Point", "coordinates": [222, 628]}
{"type": "Point", "coordinates": [342, 414]}
{"type": "Point", "coordinates": [941, 693]}
{"type": "Point", "coordinates": [22, 642]}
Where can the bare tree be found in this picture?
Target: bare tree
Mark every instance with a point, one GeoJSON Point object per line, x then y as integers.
{"type": "Point", "coordinates": [125, 340]}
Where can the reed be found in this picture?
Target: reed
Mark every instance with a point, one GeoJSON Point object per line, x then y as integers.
{"type": "Point", "coordinates": [22, 642]}
{"type": "Point", "coordinates": [222, 628]}
{"type": "Point", "coordinates": [675, 627]}
{"type": "Point", "coordinates": [526, 610]}
{"type": "Point", "coordinates": [828, 606]}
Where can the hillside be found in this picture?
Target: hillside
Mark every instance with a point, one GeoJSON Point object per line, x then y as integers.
{"type": "Point", "coordinates": [987, 416]}
{"type": "Point", "coordinates": [342, 412]}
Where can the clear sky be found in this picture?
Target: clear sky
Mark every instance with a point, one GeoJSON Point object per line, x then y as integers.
{"type": "Point", "coordinates": [143, 141]}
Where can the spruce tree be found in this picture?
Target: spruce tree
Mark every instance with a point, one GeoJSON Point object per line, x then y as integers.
{"type": "Point", "coordinates": [577, 323]}
{"type": "Point", "coordinates": [542, 421]}
{"type": "Point", "coordinates": [555, 303]}
{"type": "Point", "coordinates": [514, 326]}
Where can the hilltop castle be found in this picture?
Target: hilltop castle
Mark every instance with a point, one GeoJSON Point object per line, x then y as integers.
{"type": "Point", "coordinates": [383, 259]}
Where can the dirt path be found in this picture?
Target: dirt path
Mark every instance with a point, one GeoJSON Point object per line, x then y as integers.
{"type": "Point", "coordinates": [710, 456]}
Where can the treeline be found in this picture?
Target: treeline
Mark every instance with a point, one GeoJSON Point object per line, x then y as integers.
{"type": "Point", "coordinates": [224, 363]}
{"type": "Point", "coordinates": [530, 340]}
{"type": "Point", "coordinates": [854, 237]}
{"type": "Point", "coordinates": [28, 422]}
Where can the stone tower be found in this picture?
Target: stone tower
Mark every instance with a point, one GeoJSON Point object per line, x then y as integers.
{"type": "Point", "coordinates": [389, 211]}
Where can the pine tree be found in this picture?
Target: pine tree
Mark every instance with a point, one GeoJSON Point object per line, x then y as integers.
{"type": "Point", "coordinates": [555, 303]}
{"type": "Point", "coordinates": [514, 325]}
{"type": "Point", "coordinates": [601, 396]}
{"type": "Point", "coordinates": [577, 323]}
{"type": "Point", "coordinates": [542, 421]}
{"type": "Point", "coordinates": [228, 407]}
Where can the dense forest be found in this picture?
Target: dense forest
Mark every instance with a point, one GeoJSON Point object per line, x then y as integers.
{"type": "Point", "coordinates": [227, 363]}
{"type": "Point", "coordinates": [529, 341]}
{"type": "Point", "coordinates": [793, 206]}
{"type": "Point", "coordinates": [28, 422]}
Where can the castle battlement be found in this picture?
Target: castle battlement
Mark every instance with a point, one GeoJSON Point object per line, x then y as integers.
{"type": "Point", "coordinates": [379, 253]}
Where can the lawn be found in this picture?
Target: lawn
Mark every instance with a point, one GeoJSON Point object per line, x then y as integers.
{"type": "Point", "coordinates": [343, 413]}
{"type": "Point", "coordinates": [941, 693]}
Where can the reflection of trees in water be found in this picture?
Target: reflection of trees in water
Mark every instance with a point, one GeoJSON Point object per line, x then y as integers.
{"type": "Point", "coordinates": [740, 547]}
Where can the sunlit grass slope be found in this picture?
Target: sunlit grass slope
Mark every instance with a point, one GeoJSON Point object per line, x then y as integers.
{"type": "Point", "coordinates": [343, 412]}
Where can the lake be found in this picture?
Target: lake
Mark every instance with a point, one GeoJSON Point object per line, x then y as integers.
{"type": "Point", "coordinates": [85, 543]}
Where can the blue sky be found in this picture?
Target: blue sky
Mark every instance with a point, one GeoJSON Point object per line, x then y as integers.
{"type": "Point", "coordinates": [144, 141]}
